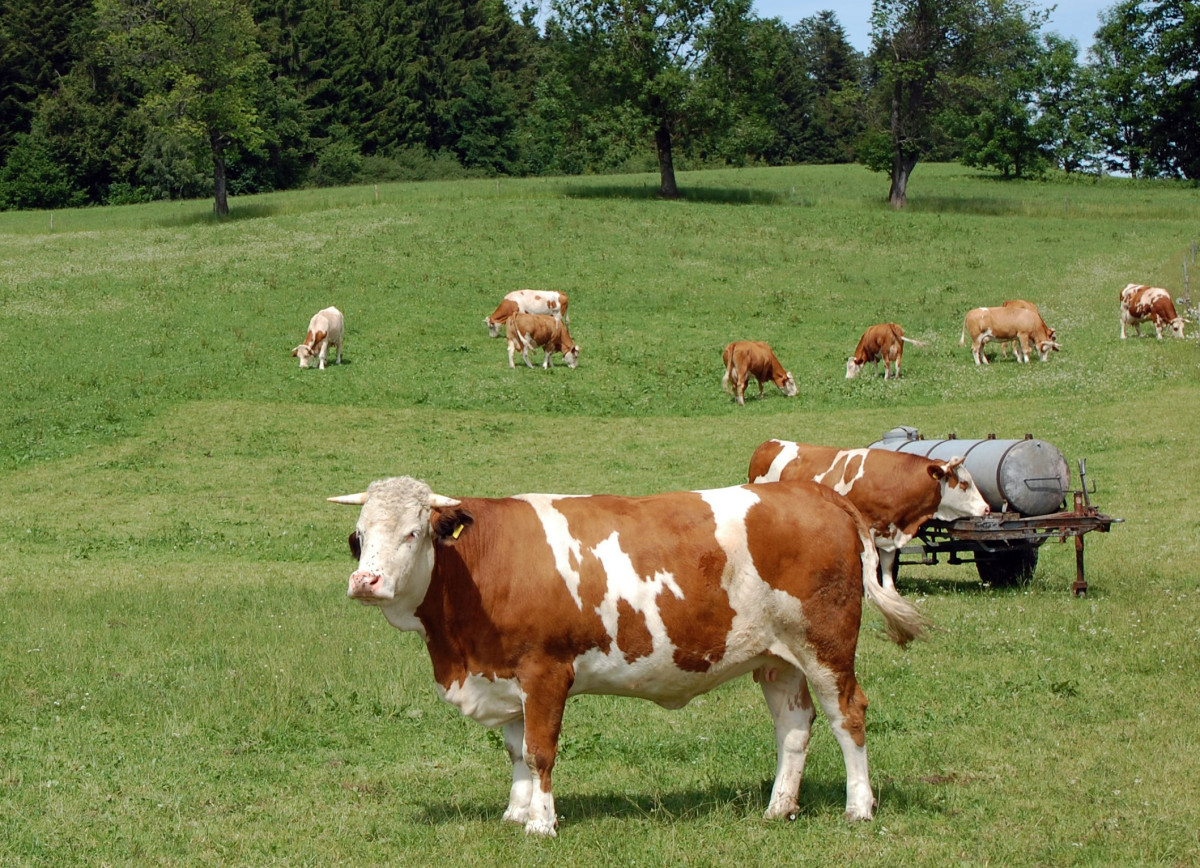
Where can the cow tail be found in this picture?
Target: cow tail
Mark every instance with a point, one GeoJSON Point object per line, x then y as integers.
{"type": "Point", "coordinates": [901, 618]}
{"type": "Point", "coordinates": [963, 337]}
{"type": "Point", "coordinates": [729, 373]}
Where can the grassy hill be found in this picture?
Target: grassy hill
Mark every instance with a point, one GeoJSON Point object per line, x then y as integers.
{"type": "Point", "coordinates": [182, 681]}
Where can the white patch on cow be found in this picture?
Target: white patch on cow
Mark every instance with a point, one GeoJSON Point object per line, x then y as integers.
{"type": "Point", "coordinates": [567, 550]}
{"type": "Point", "coordinates": [640, 592]}
{"type": "Point", "coordinates": [785, 457]}
{"type": "Point", "coordinates": [841, 485]}
{"type": "Point", "coordinates": [490, 701]}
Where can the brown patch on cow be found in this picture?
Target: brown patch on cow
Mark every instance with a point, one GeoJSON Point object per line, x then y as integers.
{"type": "Point", "coordinates": [820, 566]}
{"type": "Point", "coordinates": [764, 457]}
{"type": "Point", "coordinates": [633, 636]}
{"type": "Point", "coordinates": [675, 534]}
{"type": "Point", "coordinates": [483, 616]}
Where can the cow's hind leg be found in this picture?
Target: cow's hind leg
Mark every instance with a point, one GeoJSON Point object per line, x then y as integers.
{"type": "Point", "coordinates": [786, 692]}
{"type": "Point", "coordinates": [845, 705]}
{"type": "Point", "coordinates": [522, 782]}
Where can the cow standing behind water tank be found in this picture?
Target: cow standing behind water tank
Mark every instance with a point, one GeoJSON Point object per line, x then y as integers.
{"type": "Point", "coordinates": [1027, 476]}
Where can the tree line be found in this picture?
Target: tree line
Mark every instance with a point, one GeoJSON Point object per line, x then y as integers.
{"type": "Point", "coordinates": [117, 101]}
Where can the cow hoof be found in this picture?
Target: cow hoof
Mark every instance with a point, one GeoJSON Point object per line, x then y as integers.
{"type": "Point", "coordinates": [782, 812]}
{"type": "Point", "coordinates": [541, 828]}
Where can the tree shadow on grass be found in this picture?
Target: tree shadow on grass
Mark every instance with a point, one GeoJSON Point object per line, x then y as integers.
{"type": "Point", "coordinates": [973, 205]}
{"type": "Point", "coordinates": [251, 211]}
{"type": "Point", "coordinates": [714, 196]}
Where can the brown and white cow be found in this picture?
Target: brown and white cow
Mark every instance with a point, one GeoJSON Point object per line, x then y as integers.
{"type": "Point", "coordinates": [527, 600]}
{"type": "Point", "coordinates": [1024, 326]}
{"type": "Point", "coordinates": [527, 301]}
{"type": "Point", "coordinates": [896, 492]}
{"type": "Point", "coordinates": [529, 330]}
{"type": "Point", "coordinates": [1027, 305]}
{"type": "Point", "coordinates": [746, 359]}
{"type": "Point", "coordinates": [325, 330]}
{"type": "Point", "coordinates": [1140, 303]}
{"type": "Point", "coordinates": [884, 341]}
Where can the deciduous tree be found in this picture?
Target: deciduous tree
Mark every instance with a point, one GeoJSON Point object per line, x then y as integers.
{"type": "Point", "coordinates": [199, 68]}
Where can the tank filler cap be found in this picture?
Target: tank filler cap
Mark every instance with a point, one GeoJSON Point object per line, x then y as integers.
{"type": "Point", "coordinates": [902, 432]}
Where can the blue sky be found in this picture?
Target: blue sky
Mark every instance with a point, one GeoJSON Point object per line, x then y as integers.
{"type": "Point", "coordinates": [1076, 19]}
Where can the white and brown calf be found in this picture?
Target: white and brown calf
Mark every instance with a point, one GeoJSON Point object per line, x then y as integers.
{"type": "Point", "coordinates": [880, 342]}
{"type": "Point", "coordinates": [1140, 303]}
{"type": "Point", "coordinates": [1024, 326]}
{"type": "Point", "coordinates": [325, 330]}
{"type": "Point", "coordinates": [529, 330]}
{"type": "Point", "coordinates": [746, 359]}
{"type": "Point", "coordinates": [527, 301]}
{"type": "Point", "coordinates": [1027, 305]}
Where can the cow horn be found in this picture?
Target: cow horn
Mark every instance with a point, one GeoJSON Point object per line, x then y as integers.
{"type": "Point", "coordinates": [440, 501]}
{"type": "Point", "coordinates": [350, 499]}
{"type": "Point", "coordinates": [954, 462]}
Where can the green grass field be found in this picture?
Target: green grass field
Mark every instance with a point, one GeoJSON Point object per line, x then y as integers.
{"type": "Point", "coordinates": [183, 682]}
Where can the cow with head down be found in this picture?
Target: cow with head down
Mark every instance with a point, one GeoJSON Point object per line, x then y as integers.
{"type": "Point", "coordinates": [883, 342]}
{"type": "Point", "coordinates": [325, 330]}
{"type": "Point", "coordinates": [529, 330]}
{"type": "Point", "coordinates": [1140, 303]}
{"type": "Point", "coordinates": [746, 359]}
{"type": "Point", "coordinates": [896, 492]}
{"type": "Point", "coordinates": [1018, 324]}
{"type": "Point", "coordinates": [525, 601]}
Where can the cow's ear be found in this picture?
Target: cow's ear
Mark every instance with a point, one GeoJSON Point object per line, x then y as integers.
{"type": "Point", "coordinates": [450, 523]}
{"type": "Point", "coordinates": [937, 471]}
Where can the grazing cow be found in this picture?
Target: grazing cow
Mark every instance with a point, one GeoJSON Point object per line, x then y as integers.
{"type": "Point", "coordinates": [529, 330]}
{"type": "Point", "coordinates": [896, 492]}
{"type": "Point", "coordinates": [527, 600]}
{"type": "Point", "coordinates": [527, 301]}
{"type": "Point", "coordinates": [325, 330]}
{"type": "Point", "coordinates": [1140, 303]}
{"type": "Point", "coordinates": [884, 341]}
{"type": "Point", "coordinates": [1027, 305]}
{"type": "Point", "coordinates": [746, 359]}
{"type": "Point", "coordinates": [1024, 326]}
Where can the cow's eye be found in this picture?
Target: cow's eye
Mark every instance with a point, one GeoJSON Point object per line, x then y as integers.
{"type": "Point", "coordinates": [355, 545]}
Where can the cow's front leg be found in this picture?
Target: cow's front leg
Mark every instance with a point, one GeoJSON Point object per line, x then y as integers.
{"type": "Point", "coordinates": [792, 710]}
{"type": "Point", "coordinates": [522, 782]}
{"type": "Point", "coordinates": [545, 698]}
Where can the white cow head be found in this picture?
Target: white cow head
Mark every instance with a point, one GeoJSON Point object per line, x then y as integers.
{"type": "Point", "coordinates": [1046, 347]}
{"type": "Point", "coordinates": [789, 385]}
{"type": "Point", "coordinates": [571, 356]}
{"type": "Point", "coordinates": [960, 495]}
{"type": "Point", "coordinates": [393, 542]}
{"type": "Point", "coordinates": [1177, 326]}
{"type": "Point", "coordinates": [852, 368]}
{"type": "Point", "coordinates": [303, 352]}
{"type": "Point", "coordinates": [493, 327]}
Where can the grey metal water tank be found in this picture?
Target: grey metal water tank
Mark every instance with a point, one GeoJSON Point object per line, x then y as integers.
{"type": "Point", "coordinates": [1030, 476]}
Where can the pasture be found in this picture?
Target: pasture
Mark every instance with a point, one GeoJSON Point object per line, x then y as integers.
{"type": "Point", "coordinates": [183, 682]}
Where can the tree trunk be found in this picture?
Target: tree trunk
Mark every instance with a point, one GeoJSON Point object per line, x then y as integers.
{"type": "Point", "coordinates": [220, 202]}
{"type": "Point", "coordinates": [902, 166]}
{"type": "Point", "coordinates": [666, 165]}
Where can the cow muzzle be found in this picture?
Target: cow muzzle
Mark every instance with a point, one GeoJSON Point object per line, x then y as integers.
{"type": "Point", "coordinates": [367, 586]}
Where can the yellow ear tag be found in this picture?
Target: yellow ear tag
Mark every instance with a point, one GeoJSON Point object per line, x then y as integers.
{"type": "Point", "coordinates": [457, 531]}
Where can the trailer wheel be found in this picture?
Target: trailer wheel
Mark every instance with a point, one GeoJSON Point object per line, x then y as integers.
{"type": "Point", "coordinates": [1005, 569]}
